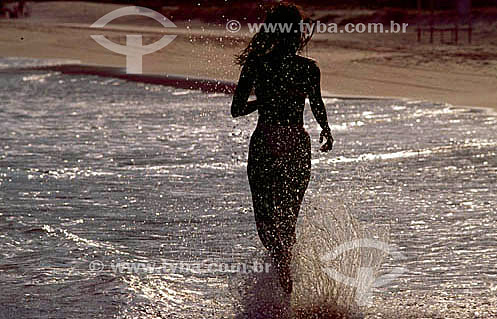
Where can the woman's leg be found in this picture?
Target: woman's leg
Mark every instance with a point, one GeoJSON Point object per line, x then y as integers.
{"type": "Point", "coordinates": [261, 186]}
{"type": "Point", "coordinates": [278, 186]}
{"type": "Point", "coordinates": [289, 193]}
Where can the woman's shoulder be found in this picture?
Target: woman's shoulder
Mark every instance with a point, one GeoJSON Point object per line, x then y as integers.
{"type": "Point", "coordinates": [309, 63]}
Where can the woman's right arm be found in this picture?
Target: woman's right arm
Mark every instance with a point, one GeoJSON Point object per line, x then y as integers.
{"type": "Point", "coordinates": [239, 105]}
{"type": "Point", "coordinates": [318, 108]}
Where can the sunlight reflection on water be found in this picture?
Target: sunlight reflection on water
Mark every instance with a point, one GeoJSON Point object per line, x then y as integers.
{"type": "Point", "coordinates": [102, 169]}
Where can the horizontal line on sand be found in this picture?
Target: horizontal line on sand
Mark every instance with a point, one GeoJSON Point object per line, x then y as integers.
{"type": "Point", "coordinates": [178, 81]}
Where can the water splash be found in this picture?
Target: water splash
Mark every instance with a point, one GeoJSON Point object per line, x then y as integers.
{"type": "Point", "coordinates": [325, 224]}
{"type": "Point", "coordinates": [259, 295]}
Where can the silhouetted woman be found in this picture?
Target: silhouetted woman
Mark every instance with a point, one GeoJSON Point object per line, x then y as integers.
{"type": "Point", "coordinates": [279, 163]}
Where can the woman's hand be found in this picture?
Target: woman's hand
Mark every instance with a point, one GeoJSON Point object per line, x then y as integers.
{"type": "Point", "coordinates": [328, 146]}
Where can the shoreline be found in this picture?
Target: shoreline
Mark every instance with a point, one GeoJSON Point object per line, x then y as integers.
{"type": "Point", "coordinates": [206, 85]}
{"type": "Point", "coordinates": [353, 66]}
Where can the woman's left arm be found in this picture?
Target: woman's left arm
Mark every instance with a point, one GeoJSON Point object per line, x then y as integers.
{"type": "Point", "coordinates": [240, 106]}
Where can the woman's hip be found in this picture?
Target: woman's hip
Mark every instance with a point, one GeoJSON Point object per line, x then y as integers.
{"type": "Point", "coordinates": [279, 142]}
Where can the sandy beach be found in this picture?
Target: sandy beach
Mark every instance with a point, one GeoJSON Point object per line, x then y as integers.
{"type": "Point", "coordinates": [392, 65]}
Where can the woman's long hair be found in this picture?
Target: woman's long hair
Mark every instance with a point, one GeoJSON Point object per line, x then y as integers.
{"type": "Point", "coordinates": [279, 40]}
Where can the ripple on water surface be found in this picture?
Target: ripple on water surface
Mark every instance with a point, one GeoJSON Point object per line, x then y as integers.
{"type": "Point", "coordinates": [97, 169]}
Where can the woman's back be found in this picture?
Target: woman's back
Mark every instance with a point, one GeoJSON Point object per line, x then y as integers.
{"type": "Point", "coordinates": [281, 86]}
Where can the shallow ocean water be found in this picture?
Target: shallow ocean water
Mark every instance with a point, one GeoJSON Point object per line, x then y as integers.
{"type": "Point", "coordinates": [99, 171]}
